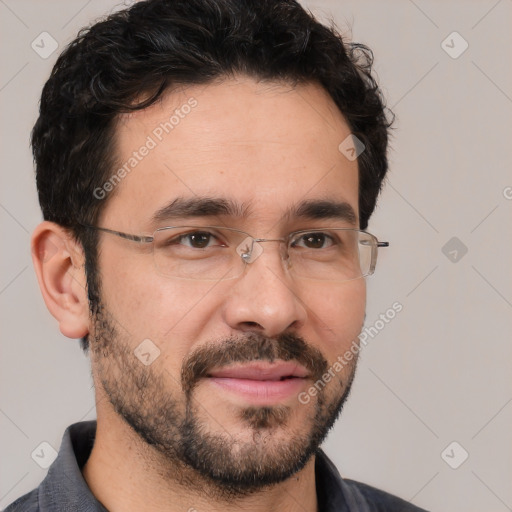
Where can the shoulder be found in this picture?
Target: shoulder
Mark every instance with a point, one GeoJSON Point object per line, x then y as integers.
{"type": "Point", "coordinates": [27, 503]}
{"type": "Point", "coordinates": [337, 493]}
{"type": "Point", "coordinates": [381, 501]}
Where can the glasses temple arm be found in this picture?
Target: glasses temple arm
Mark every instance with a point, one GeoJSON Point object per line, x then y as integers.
{"type": "Point", "coordinates": [127, 236]}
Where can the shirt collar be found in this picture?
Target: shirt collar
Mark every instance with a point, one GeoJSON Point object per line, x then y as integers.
{"type": "Point", "coordinates": [64, 487]}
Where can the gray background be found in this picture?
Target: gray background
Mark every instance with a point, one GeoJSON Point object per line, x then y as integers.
{"type": "Point", "coordinates": [440, 370]}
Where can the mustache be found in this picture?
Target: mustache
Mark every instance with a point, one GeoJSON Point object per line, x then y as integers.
{"type": "Point", "coordinates": [249, 348]}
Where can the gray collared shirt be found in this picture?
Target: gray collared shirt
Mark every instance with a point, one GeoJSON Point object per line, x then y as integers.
{"type": "Point", "coordinates": [65, 489]}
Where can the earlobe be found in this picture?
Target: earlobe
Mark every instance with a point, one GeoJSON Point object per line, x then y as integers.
{"type": "Point", "coordinates": [59, 264]}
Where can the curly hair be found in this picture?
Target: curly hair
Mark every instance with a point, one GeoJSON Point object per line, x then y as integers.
{"type": "Point", "coordinates": [154, 45]}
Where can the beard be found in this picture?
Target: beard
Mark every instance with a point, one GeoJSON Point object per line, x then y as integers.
{"type": "Point", "coordinates": [176, 429]}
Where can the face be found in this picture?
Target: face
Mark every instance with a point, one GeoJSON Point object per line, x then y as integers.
{"type": "Point", "coordinates": [195, 397]}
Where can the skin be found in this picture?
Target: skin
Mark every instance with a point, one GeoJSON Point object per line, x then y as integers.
{"type": "Point", "coordinates": [266, 145]}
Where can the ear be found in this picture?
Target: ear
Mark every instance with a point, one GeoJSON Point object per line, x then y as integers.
{"type": "Point", "coordinates": [59, 263]}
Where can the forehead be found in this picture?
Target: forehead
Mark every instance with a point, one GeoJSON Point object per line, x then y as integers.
{"type": "Point", "coordinates": [269, 145]}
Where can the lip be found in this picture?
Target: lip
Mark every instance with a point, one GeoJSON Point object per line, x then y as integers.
{"type": "Point", "coordinates": [261, 392]}
{"type": "Point", "coordinates": [261, 383]}
{"type": "Point", "coordinates": [261, 371]}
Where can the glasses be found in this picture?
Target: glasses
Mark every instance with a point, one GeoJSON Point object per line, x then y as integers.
{"type": "Point", "coordinates": [215, 253]}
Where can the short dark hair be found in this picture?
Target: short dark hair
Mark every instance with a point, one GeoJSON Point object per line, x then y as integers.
{"type": "Point", "coordinates": [155, 45]}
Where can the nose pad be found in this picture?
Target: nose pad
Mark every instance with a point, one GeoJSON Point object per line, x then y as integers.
{"type": "Point", "coordinates": [249, 250]}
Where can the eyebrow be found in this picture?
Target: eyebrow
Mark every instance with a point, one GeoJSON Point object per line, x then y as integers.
{"type": "Point", "coordinates": [182, 207]}
{"type": "Point", "coordinates": [312, 209]}
{"type": "Point", "coordinates": [318, 209]}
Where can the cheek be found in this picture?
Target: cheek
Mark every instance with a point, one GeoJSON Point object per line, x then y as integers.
{"type": "Point", "coordinates": [144, 303]}
{"type": "Point", "coordinates": [337, 313]}
{"type": "Point", "coordinates": [173, 314]}
{"type": "Point", "coordinates": [336, 316]}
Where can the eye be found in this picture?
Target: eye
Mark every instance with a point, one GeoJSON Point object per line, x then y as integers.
{"type": "Point", "coordinates": [196, 239]}
{"type": "Point", "coordinates": [314, 240]}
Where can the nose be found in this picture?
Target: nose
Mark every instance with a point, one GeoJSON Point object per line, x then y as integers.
{"type": "Point", "coordinates": [265, 298]}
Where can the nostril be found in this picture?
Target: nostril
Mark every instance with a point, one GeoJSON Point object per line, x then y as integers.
{"type": "Point", "coordinates": [252, 325]}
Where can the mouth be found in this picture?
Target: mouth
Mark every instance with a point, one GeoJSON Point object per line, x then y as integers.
{"type": "Point", "coordinates": [261, 383]}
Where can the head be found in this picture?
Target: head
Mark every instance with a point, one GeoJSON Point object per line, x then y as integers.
{"type": "Point", "coordinates": [235, 110]}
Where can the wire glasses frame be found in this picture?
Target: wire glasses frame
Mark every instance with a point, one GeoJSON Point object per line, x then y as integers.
{"type": "Point", "coordinates": [349, 254]}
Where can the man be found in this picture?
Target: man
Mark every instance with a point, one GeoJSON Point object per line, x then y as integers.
{"type": "Point", "coordinates": [206, 169]}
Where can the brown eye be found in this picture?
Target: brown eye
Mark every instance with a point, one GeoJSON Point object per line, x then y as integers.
{"type": "Point", "coordinates": [197, 240]}
{"type": "Point", "coordinates": [313, 241]}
